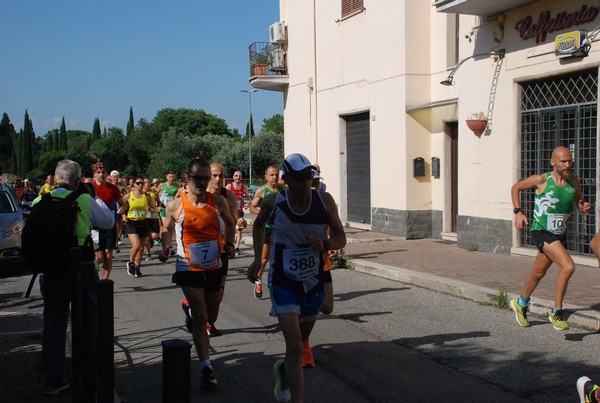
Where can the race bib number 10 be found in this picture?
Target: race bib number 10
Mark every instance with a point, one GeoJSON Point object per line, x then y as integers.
{"type": "Point", "coordinates": [204, 255]}
{"type": "Point", "coordinates": [557, 223]}
{"type": "Point", "coordinates": [300, 264]}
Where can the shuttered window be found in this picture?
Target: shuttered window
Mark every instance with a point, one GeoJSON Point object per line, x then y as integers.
{"type": "Point", "coordinates": [350, 7]}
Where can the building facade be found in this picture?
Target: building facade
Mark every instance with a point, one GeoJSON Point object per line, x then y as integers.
{"type": "Point", "coordinates": [378, 92]}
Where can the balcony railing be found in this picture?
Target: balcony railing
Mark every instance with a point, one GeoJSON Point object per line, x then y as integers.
{"type": "Point", "coordinates": [267, 59]}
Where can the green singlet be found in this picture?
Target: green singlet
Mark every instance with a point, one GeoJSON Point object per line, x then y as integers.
{"type": "Point", "coordinates": [553, 207]}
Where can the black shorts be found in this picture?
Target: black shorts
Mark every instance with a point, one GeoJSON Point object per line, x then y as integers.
{"type": "Point", "coordinates": [541, 237]}
{"type": "Point", "coordinates": [208, 279]}
{"type": "Point", "coordinates": [107, 239]}
{"type": "Point", "coordinates": [224, 264]}
{"type": "Point", "coordinates": [268, 233]}
{"type": "Point", "coordinates": [241, 214]}
{"type": "Point", "coordinates": [153, 225]}
{"type": "Point", "coordinates": [139, 227]}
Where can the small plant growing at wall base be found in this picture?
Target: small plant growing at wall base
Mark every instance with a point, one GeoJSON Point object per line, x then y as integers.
{"type": "Point", "coordinates": [500, 300]}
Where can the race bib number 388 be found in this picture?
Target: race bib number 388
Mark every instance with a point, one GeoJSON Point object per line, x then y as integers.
{"type": "Point", "coordinates": [300, 264]}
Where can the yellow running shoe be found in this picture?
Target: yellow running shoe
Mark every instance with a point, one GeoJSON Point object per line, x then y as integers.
{"type": "Point", "coordinates": [520, 313]}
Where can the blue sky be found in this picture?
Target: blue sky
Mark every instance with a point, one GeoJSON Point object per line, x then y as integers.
{"type": "Point", "coordinates": [86, 59]}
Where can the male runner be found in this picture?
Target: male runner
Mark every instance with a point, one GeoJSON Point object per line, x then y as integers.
{"type": "Point", "coordinates": [240, 191]}
{"type": "Point", "coordinates": [271, 186]}
{"type": "Point", "coordinates": [110, 195]}
{"type": "Point", "coordinates": [193, 217]}
{"type": "Point", "coordinates": [300, 219]}
{"type": "Point", "coordinates": [555, 193]}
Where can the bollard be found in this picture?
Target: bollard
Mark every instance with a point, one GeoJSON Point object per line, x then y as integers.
{"type": "Point", "coordinates": [105, 352]}
{"type": "Point", "coordinates": [176, 371]}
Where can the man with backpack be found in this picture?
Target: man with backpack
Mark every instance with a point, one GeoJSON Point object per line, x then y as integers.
{"type": "Point", "coordinates": [60, 219]}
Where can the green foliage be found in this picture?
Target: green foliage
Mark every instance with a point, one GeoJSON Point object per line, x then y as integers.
{"type": "Point", "coordinates": [130, 123]}
{"type": "Point", "coordinates": [7, 136]}
{"type": "Point", "coordinates": [96, 133]}
{"type": "Point", "coordinates": [473, 248]}
{"type": "Point", "coordinates": [62, 138]}
{"type": "Point", "coordinates": [500, 300]}
{"type": "Point", "coordinates": [273, 124]}
{"type": "Point", "coordinates": [341, 262]}
{"type": "Point", "coordinates": [47, 161]}
{"type": "Point", "coordinates": [267, 149]}
{"type": "Point", "coordinates": [189, 121]}
{"type": "Point", "coordinates": [111, 149]}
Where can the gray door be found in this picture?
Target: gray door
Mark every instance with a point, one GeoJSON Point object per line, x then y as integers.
{"type": "Point", "coordinates": [359, 167]}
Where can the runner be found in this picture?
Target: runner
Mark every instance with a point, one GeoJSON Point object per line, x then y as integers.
{"type": "Point", "coordinates": [555, 193]}
{"type": "Point", "coordinates": [240, 191]}
{"type": "Point", "coordinates": [136, 225]}
{"type": "Point", "coordinates": [152, 217]}
{"type": "Point", "coordinates": [107, 239]}
{"type": "Point", "coordinates": [215, 187]}
{"type": "Point", "coordinates": [271, 186]}
{"type": "Point", "coordinates": [195, 219]}
{"type": "Point", "coordinates": [300, 219]}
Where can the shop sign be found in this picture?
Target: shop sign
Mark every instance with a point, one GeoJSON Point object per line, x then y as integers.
{"type": "Point", "coordinates": [565, 45]}
{"type": "Point", "coordinates": [546, 23]}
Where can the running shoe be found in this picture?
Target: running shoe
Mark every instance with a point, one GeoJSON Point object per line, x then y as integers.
{"type": "Point", "coordinates": [138, 272]}
{"type": "Point", "coordinates": [53, 388]}
{"type": "Point", "coordinates": [558, 321]}
{"type": "Point", "coordinates": [308, 360]}
{"type": "Point", "coordinates": [147, 256]}
{"type": "Point", "coordinates": [131, 268]}
{"type": "Point", "coordinates": [281, 394]}
{"type": "Point", "coordinates": [520, 313]}
{"type": "Point", "coordinates": [258, 289]}
{"type": "Point", "coordinates": [157, 242]}
{"type": "Point", "coordinates": [208, 328]}
{"type": "Point", "coordinates": [588, 391]}
{"type": "Point", "coordinates": [212, 330]}
{"type": "Point", "coordinates": [188, 314]}
{"type": "Point", "coordinates": [208, 380]}
{"type": "Point", "coordinates": [237, 252]}
{"type": "Point", "coordinates": [117, 250]}
{"type": "Point", "coordinates": [173, 252]}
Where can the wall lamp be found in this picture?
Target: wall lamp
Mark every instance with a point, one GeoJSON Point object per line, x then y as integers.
{"type": "Point", "coordinates": [450, 79]}
{"type": "Point", "coordinates": [586, 45]}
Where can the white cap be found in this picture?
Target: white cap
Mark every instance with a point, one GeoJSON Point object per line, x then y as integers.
{"type": "Point", "coordinates": [114, 173]}
{"type": "Point", "coordinates": [296, 163]}
{"type": "Point", "coordinates": [26, 180]}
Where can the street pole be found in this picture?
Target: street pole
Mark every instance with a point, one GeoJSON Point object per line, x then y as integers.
{"type": "Point", "coordinates": [249, 92]}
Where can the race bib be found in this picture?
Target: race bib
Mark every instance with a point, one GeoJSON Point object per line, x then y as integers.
{"type": "Point", "coordinates": [300, 264]}
{"type": "Point", "coordinates": [204, 255]}
{"type": "Point", "coordinates": [557, 223]}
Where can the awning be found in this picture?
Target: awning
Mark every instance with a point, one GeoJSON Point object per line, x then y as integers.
{"type": "Point", "coordinates": [433, 115]}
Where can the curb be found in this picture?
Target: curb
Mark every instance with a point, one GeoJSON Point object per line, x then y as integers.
{"type": "Point", "coordinates": [580, 316]}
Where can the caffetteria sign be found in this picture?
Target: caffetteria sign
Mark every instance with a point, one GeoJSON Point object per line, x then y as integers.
{"type": "Point", "coordinates": [569, 44]}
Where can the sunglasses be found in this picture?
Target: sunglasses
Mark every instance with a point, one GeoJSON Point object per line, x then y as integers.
{"type": "Point", "coordinates": [100, 172]}
{"type": "Point", "coordinates": [198, 178]}
{"type": "Point", "coordinates": [139, 183]}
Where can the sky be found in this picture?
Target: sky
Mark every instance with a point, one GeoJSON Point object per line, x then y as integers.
{"type": "Point", "coordinates": [83, 59]}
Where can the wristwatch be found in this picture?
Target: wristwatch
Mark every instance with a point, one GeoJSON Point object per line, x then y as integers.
{"type": "Point", "coordinates": [326, 245]}
{"type": "Point", "coordinates": [517, 210]}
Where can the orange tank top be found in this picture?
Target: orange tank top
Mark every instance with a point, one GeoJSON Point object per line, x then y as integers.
{"type": "Point", "coordinates": [198, 233]}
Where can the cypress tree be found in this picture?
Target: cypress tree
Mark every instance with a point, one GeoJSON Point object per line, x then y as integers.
{"type": "Point", "coordinates": [13, 157]}
{"type": "Point", "coordinates": [96, 133]}
{"type": "Point", "coordinates": [63, 136]}
{"type": "Point", "coordinates": [20, 154]}
{"type": "Point", "coordinates": [26, 150]}
{"type": "Point", "coordinates": [130, 125]}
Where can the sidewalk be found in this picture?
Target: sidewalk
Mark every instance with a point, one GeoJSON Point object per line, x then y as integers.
{"type": "Point", "coordinates": [430, 263]}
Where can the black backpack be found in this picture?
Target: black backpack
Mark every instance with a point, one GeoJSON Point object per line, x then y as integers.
{"type": "Point", "coordinates": [50, 231]}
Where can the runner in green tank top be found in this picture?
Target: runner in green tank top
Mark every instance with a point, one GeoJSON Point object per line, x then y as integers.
{"type": "Point", "coordinates": [555, 193]}
{"type": "Point", "coordinates": [271, 186]}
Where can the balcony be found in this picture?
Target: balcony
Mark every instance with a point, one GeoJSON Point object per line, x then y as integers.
{"type": "Point", "coordinates": [268, 66]}
{"type": "Point", "coordinates": [484, 8]}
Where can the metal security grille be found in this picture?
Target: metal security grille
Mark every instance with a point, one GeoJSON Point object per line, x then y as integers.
{"type": "Point", "coordinates": [562, 112]}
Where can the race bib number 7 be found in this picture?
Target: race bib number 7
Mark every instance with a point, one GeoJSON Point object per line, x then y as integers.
{"type": "Point", "coordinates": [300, 264]}
{"type": "Point", "coordinates": [557, 223]}
{"type": "Point", "coordinates": [204, 255]}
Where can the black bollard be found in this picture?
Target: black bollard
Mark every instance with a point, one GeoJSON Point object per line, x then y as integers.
{"type": "Point", "coordinates": [176, 371]}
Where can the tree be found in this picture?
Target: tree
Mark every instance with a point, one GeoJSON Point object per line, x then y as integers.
{"type": "Point", "coordinates": [189, 121]}
{"type": "Point", "coordinates": [62, 146]}
{"type": "Point", "coordinates": [26, 146]}
{"type": "Point", "coordinates": [267, 149]}
{"type": "Point", "coordinates": [7, 137]}
{"type": "Point", "coordinates": [96, 133]}
{"type": "Point", "coordinates": [130, 124]}
{"type": "Point", "coordinates": [111, 149]}
{"type": "Point", "coordinates": [273, 124]}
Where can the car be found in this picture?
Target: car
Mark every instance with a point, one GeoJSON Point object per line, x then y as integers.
{"type": "Point", "coordinates": [11, 224]}
{"type": "Point", "coordinates": [251, 190]}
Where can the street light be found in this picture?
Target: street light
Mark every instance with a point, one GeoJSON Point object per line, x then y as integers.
{"type": "Point", "coordinates": [450, 79]}
{"type": "Point", "coordinates": [249, 92]}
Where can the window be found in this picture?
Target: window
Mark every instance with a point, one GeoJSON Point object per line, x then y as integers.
{"type": "Point", "coordinates": [350, 7]}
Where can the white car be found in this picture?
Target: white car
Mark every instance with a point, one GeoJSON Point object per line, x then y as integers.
{"type": "Point", "coordinates": [11, 224]}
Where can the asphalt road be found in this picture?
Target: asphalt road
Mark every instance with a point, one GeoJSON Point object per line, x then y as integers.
{"type": "Point", "coordinates": [385, 342]}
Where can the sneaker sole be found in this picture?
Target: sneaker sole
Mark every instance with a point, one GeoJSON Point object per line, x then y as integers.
{"type": "Point", "coordinates": [54, 392]}
{"type": "Point", "coordinates": [516, 313]}
{"type": "Point", "coordinates": [277, 388]}
{"type": "Point", "coordinates": [555, 327]}
{"type": "Point", "coordinates": [581, 387]}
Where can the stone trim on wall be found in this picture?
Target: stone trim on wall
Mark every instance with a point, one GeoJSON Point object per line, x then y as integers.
{"type": "Point", "coordinates": [411, 224]}
{"type": "Point", "coordinates": [484, 234]}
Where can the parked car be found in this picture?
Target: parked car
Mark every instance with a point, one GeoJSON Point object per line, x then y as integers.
{"type": "Point", "coordinates": [11, 224]}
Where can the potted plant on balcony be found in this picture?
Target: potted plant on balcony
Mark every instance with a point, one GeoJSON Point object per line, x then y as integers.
{"type": "Point", "coordinates": [260, 61]}
{"type": "Point", "coordinates": [477, 122]}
